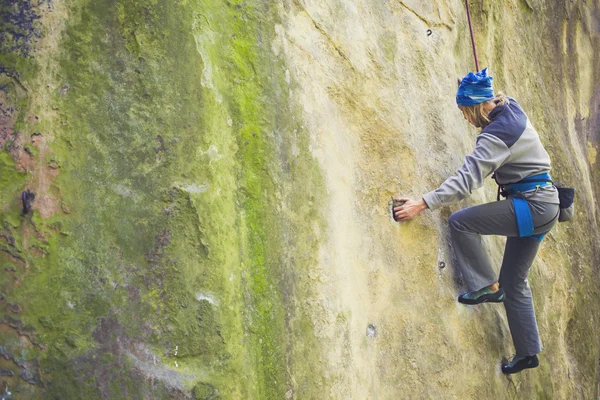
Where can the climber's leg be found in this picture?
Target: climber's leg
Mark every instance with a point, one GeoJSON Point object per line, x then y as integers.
{"type": "Point", "coordinates": [518, 257]}
{"type": "Point", "coordinates": [467, 227]}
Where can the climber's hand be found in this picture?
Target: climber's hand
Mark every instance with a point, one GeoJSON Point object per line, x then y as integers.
{"type": "Point", "coordinates": [409, 210]}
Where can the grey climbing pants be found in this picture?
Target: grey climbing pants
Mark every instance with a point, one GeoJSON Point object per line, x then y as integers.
{"type": "Point", "coordinates": [498, 218]}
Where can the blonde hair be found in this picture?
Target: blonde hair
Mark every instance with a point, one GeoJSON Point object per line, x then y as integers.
{"type": "Point", "coordinates": [476, 114]}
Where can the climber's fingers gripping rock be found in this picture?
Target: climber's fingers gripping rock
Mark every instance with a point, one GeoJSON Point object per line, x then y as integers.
{"type": "Point", "coordinates": [409, 210]}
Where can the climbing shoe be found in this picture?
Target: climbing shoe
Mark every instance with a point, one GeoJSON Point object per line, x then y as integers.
{"type": "Point", "coordinates": [519, 363]}
{"type": "Point", "coordinates": [484, 295]}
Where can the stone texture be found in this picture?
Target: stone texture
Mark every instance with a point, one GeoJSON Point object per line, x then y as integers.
{"type": "Point", "coordinates": [212, 187]}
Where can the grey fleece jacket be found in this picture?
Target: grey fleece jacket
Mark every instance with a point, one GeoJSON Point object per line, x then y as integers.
{"type": "Point", "coordinates": [508, 146]}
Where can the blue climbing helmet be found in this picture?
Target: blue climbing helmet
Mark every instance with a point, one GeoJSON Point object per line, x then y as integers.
{"type": "Point", "coordinates": [475, 88]}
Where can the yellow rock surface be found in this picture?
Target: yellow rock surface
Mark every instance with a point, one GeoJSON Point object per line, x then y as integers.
{"type": "Point", "coordinates": [212, 182]}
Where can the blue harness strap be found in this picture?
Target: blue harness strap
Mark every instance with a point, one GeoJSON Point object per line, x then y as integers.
{"type": "Point", "coordinates": [522, 211]}
{"type": "Point", "coordinates": [524, 219]}
{"type": "Point", "coordinates": [529, 183]}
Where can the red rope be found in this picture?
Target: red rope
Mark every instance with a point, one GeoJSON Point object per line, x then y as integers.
{"type": "Point", "coordinates": [472, 38]}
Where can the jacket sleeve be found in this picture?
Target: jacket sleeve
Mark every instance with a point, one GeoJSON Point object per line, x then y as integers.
{"type": "Point", "coordinates": [489, 154]}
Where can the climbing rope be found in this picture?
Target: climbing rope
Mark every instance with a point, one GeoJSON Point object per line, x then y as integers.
{"type": "Point", "coordinates": [472, 38]}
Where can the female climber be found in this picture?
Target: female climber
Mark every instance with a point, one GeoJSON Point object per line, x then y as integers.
{"type": "Point", "coordinates": [509, 147]}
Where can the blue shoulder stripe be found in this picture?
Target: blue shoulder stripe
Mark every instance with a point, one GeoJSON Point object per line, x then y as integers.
{"type": "Point", "coordinates": [508, 123]}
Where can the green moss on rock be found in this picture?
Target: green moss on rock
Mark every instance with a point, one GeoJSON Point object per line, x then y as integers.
{"type": "Point", "coordinates": [168, 177]}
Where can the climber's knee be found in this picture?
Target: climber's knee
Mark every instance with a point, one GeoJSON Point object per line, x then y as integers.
{"type": "Point", "coordinates": [456, 221]}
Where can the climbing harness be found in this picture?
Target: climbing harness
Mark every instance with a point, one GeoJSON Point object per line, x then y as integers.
{"type": "Point", "coordinates": [524, 185]}
{"type": "Point", "coordinates": [566, 195]}
{"type": "Point", "coordinates": [522, 211]}
{"type": "Point", "coordinates": [472, 38]}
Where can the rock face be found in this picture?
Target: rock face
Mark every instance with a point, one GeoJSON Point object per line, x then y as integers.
{"type": "Point", "coordinates": [212, 180]}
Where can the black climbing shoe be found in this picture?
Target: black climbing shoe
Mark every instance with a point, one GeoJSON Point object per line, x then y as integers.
{"type": "Point", "coordinates": [518, 364]}
{"type": "Point", "coordinates": [482, 296]}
